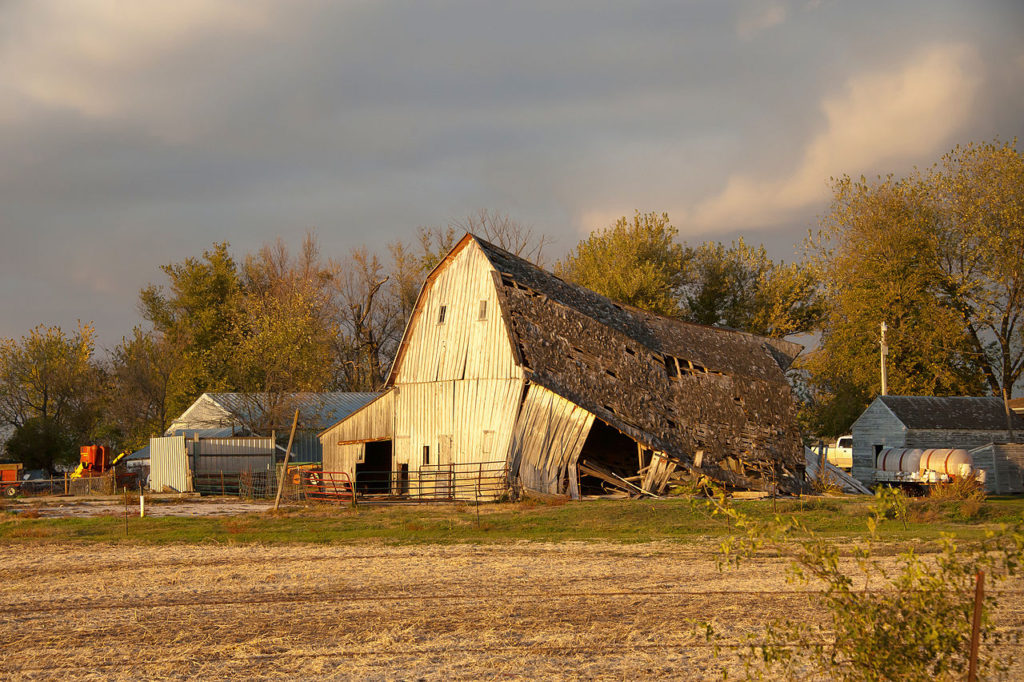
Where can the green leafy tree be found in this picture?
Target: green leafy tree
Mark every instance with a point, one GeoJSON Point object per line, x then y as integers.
{"type": "Point", "coordinates": [49, 390]}
{"type": "Point", "coordinates": [198, 314]}
{"type": "Point", "coordinates": [284, 332]}
{"type": "Point", "coordinates": [740, 287]}
{"type": "Point", "coordinates": [42, 443]}
{"type": "Point", "coordinates": [977, 192]}
{"type": "Point", "coordinates": [876, 258]}
{"type": "Point", "coordinates": [635, 261]}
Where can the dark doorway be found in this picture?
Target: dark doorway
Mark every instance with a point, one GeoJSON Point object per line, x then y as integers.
{"type": "Point", "coordinates": [608, 449]}
{"type": "Point", "coordinates": [373, 475]}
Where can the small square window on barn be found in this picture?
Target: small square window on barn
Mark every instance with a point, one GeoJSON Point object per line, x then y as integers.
{"type": "Point", "coordinates": [483, 311]}
{"type": "Point", "coordinates": [426, 454]}
{"type": "Point", "coordinates": [440, 315]}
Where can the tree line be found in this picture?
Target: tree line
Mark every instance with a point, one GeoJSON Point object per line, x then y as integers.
{"type": "Point", "coordinates": [938, 255]}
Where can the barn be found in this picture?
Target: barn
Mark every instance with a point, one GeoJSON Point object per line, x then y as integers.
{"type": "Point", "coordinates": [503, 364]}
{"type": "Point", "coordinates": [978, 425]}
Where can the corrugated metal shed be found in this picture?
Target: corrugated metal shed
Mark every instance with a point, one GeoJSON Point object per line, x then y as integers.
{"type": "Point", "coordinates": [169, 465]}
{"type": "Point", "coordinates": [231, 456]}
{"type": "Point", "coordinates": [1004, 466]}
{"type": "Point", "coordinates": [220, 415]}
{"type": "Point", "coordinates": [224, 415]}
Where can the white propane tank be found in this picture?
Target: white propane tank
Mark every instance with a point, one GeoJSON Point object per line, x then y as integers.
{"type": "Point", "coordinates": [947, 461]}
{"type": "Point", "coordinates": [899, 460]}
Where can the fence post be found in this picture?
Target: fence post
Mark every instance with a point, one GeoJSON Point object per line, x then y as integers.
{"type": "Point", "coordinates": [65, 483]}
{"type": "Point", "coordinates": [222, 483]}
{"type": "Point", "coordinates": [479, 477]}
{"type": "Point", "coordinates": [979, 600]}
{"type": "Point", "coordinates": [284, 468]}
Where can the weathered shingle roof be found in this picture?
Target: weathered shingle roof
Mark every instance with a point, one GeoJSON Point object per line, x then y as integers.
{"type": "Point", "coordinates": [712, 347]}
{"type": "Point", "coordinates": [928, 412]}
{"type": "Point", "coordinates": [731, 396]}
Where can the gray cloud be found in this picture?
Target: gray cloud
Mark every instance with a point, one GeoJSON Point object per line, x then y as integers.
{"type": "Point", "coordinates": [135, 134]}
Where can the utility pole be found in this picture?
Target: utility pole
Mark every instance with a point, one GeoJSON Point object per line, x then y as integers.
{"type": "Point", "coordinates": [885, 373]}
{"type": "Point", "coordinates": [1009, 412]}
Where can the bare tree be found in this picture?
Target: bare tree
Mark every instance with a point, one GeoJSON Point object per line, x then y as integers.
{"type": "Point", "coordinates": [511, 235]}
{"type": "Point", "coordinates": [371, 317]}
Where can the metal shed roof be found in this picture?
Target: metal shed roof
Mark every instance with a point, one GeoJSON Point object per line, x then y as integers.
{"type": "Point", "coordinates": [216, 415]}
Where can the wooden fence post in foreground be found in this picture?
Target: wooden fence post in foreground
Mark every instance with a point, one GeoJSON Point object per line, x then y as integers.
{"type": "Point", "coordinates": [287, 454]}
{"type": "Point", "coordinates": [979, 599]}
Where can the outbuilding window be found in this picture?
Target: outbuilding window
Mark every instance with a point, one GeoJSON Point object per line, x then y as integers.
{"type": "Point", "coordinates": [483, 311]}
{"type": "Point", "coordinates": [440, 315]}
{"type": "Point", "coordinates": [426, 454]}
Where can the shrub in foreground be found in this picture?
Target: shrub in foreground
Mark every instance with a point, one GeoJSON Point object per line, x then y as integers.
{"type": "Point", "coordinates": [908, 621]}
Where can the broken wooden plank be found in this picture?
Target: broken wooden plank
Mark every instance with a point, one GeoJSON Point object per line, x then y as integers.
{"type": "Point", "coordinates": [597, 471]}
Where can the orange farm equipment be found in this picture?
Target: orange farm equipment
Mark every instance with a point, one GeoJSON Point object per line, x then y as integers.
{"type": "Point", "coordinates": [10, 478]}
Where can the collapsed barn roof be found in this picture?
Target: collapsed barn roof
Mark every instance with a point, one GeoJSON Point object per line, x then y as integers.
{"type": "Point", "coordinates": [674, 386]}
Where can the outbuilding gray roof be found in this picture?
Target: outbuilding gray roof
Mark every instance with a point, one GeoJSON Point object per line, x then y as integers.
{"type": "Point", "coordinates": [958, 412]}
{"type": "Point", "coordinates": [226, 414]}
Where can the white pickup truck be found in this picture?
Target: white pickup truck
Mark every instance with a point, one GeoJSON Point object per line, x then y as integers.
{"type": "Point", "coordinates": [840, 453]}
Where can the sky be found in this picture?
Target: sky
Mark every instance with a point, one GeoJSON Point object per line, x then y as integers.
{"type": "Point", "coordinates": [137, 133]}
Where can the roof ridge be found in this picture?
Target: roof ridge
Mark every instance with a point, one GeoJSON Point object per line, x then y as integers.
{"type": "Point", "coordinates": [789, 349]}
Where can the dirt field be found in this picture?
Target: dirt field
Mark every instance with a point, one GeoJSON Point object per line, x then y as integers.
{"type": "Point", "coordinates": [73, 508]}
{"type": "Point", "coordinates": [536, 611]}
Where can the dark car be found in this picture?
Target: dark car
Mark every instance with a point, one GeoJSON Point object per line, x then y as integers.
{"type": "Point", "coordinates": [36, 481]}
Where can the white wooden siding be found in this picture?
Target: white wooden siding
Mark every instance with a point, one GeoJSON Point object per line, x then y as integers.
{"type": "Point", "coordinates": [374, 421]}
{"type": "Point", "coordinates": [343, 457]}
{"type": "Point", "coordinates": [463, 346]}
{"type": "Point", "coordinates": [548, 437]}
{"type": "Point", "coordinates": [485, 406]}
{"type": "Point", "coordinates": [429, 414]}
{"type": "Point", "coordinates": [877, 426]}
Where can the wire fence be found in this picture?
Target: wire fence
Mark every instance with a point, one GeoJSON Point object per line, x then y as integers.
{"type": "Point", "coordinates": [469, 482]}
{"type": "Point", "coordinates": [108, 483]}
{"type": "Point", "coordinates": [478, 482]}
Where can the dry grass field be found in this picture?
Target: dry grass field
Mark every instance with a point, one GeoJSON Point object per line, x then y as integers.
{"type": "Point", "coordinates": [370, 611]}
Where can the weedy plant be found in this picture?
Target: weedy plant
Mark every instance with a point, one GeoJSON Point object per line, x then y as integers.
{"type": "Point", "coordinates": [959, 488]}
{"type": "Point", "coordinates": [908, 621]}
{"type": "Point", "coordinates": [826, 485]}
{"type": "Point", "coordinates": [890, 503]}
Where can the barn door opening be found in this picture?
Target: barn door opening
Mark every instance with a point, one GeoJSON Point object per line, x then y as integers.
{"type": "Point", "coordinates": [610, 462]}
{"type": "Point", "coordinates": [373, 474]}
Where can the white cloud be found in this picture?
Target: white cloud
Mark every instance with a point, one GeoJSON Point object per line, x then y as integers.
{"type": "Point", "coordinates": [906, 113]}
{"type": "Point", "coordinates": [79, 55]}
{"type": "Point", "coordinates": [753, 18]}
